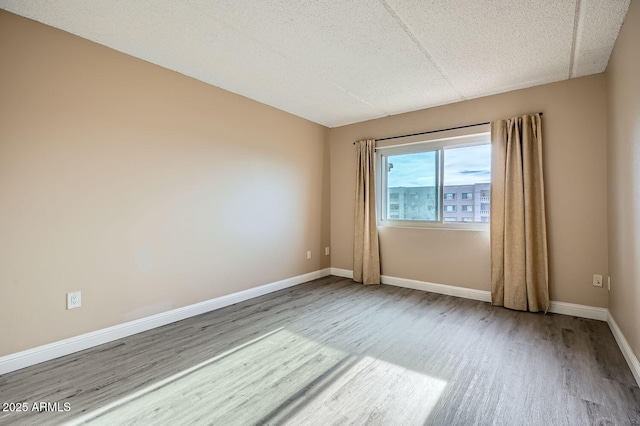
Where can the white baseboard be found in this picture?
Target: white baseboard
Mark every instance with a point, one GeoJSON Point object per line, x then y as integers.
{"type": "Point", "coordinates": [582, 311]}
{"type": "Point", "coordinates": [449, 290]}
{"type": "Point", "coordinates": [345, 273]}
{"type": "Point", "coordinates": [54, 350]}
{"type": "Point", "coordinates": [631, 357]}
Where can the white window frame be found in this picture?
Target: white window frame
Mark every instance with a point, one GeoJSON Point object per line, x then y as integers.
{"type": "Point", "coordinates": [382, 153]}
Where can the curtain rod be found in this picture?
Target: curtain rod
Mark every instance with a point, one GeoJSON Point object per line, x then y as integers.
{"type": "Point", "coordinates": [434, 131]}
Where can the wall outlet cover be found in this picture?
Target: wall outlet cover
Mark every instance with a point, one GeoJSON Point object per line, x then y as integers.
{"type": "Point", "coordinates": [597, 280]}
{"type": "Point", "coordinates": [74, 300]}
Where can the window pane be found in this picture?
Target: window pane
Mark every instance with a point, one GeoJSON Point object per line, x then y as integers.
{"type": "Point", "coordinates": [467, 172]}
{"type": "Point", "coordinates": [411, 186]}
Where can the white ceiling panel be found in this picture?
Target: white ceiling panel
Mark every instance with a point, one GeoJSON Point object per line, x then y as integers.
{"type": "Point", "coordinates": [337, 62]}
{"type": "Point", "coordinates": [498, 44]}
{"type": "Point", "coordinates": [357, 45]}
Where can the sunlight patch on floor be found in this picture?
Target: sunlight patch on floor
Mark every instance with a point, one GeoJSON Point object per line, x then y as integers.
{"type": "Point", "coordinates": [280, 377]}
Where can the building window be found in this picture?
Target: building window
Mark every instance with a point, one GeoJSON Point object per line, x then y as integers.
{"type": "Point", "coordinates": [412, 179]}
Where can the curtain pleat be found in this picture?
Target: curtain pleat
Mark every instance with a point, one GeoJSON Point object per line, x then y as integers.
{"type": "Point", "coordinates": [366, 255]}
{"type": "Point", "coordinates": [519, 260]}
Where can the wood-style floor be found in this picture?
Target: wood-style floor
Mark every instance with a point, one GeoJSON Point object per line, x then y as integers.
{"type": "Point", "coordinates": [334, 352]}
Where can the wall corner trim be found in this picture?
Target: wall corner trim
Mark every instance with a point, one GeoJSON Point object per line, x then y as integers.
{"type": "Point", "coordinates": [60, 348]}
{"type": "Point", "coordinates": [631, 357]}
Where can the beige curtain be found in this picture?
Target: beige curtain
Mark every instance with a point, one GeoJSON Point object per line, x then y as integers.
{"type": "Point", "coordinates": [366, 256]}
{"type": "Point", "coordinates": [519, 265]}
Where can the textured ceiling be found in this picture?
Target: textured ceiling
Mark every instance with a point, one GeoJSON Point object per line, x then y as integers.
{"type": "Point", "coordinates": [337, 62]}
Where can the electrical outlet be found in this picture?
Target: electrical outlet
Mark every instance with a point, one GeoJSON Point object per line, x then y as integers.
{"type": "Point", "coordinates": [74, 300]}
{"type": "Point", "coordinates": [326, 251]}
{"type": "Point", "coordinates": [597, 280]}
{"type": "Point", "coordinates": [309, 254]}
{"type": "Point", "coordinates": [609, 283]}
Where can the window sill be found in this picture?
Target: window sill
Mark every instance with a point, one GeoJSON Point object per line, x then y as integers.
{"type": "Point", "coordinates": [476, 226]}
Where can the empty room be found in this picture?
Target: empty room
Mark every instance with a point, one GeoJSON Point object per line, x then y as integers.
{"type": "Point", "coordinates": [391, 212]}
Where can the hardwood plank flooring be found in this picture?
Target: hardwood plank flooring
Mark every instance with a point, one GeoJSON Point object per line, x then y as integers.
{"type": "Point", "coordinates": [334, 352]}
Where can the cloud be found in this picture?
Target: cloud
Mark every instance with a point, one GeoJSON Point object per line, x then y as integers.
{"type": "Point", "coordinates": [467, 165]}
{"type": "Point", "coordinates": [472, 172]}
{"type": "Point", "coordinates": [463, 166]}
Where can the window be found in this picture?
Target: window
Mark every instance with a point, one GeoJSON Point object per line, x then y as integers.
{"type": "Point", "coordinates": [415, 180]}
{"type": "Point", "coordinates": [408, 175]}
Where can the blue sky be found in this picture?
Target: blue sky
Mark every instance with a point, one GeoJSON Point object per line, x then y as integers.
{"type": "Point", "coordinates": [466, 165]}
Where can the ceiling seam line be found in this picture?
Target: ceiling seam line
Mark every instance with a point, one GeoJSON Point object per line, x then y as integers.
{"type": "Point", "coordinates": [424, 51]}
{"type": "Point", "coordinates": [574, 39]}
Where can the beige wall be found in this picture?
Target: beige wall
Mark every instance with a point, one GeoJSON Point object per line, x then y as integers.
{"type": "Point", "coordinates": [623, 165]}
{"type": "Point", "coordinates": [574, 154]}
{"type": "Point", "coordinates": [143, 188]}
